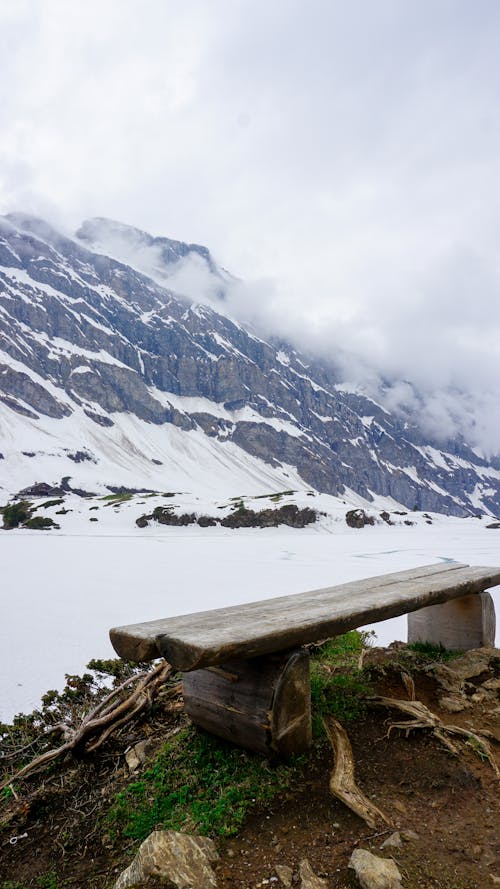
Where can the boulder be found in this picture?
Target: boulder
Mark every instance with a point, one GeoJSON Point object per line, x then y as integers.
{"type": "Point", "coordinates": [182, 860]}
{"type": "Point", "coordinates": [206, 521]}
{"type": "Point", "coordinates": [357, 518]}
{"type": "Point", "coordinates": [373, 872]}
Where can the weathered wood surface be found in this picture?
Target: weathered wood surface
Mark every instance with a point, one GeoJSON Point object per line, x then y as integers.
{"type": "Point", "coordinates": [208, 638]}
{"type": "Point", "coordinates": [468, 622]}
{"type": "Point", "coordinates": [263, 704]}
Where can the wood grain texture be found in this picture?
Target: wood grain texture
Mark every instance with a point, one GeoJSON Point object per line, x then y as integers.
{"type": "Point", "coordinates": [267, 709]}
{"type": "Point", "coordinates": [459, 624]}
{"type": "Point", "coordinates": [209, 638]}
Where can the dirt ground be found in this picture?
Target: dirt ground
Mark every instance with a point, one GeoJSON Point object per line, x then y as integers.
{"type": "Point", "coordinates": [445, 807]}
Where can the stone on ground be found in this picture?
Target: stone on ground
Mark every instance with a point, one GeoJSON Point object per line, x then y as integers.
{"type": "Point", "coordinates": [284, 874]}
{"type": "Point", "coordinates": [373, 872]}
{"type": "Point", "coordinates": [309, 880]}
{"type": "Point", "coordinates": [392, 842]}
{"type": "Point", "coordinates": [181, 859]}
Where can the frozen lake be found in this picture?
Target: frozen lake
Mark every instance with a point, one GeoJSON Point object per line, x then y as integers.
{"type": "Point", "coordinates": [61, 593]}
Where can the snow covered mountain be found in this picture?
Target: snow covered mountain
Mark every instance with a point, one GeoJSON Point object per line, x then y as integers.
{"type": "Point", "coordinates": [109, 376]}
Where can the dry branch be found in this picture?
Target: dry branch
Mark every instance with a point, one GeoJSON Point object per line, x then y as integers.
{"type": "Point", "coordinates": [342, 781]}
{"type": "Point", "coordinates": [107, 717]}
{"type": "Point", "coordinates": [423, 718]}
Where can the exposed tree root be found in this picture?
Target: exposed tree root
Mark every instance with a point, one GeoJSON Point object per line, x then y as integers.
{"type": "Point", "coordinates": [409, 685]}
{"type": "Point", "coordinates": [423, 718]}
{"type": "Point", "coordinates": [114, 711]}
{"type": "Point", "coordinates": [342, 781]}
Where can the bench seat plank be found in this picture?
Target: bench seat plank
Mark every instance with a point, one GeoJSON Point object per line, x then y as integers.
{"type": "Point", "coordinates": [208, 638]}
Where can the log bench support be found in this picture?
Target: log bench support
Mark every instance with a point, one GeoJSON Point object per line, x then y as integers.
{"type": "Point", "coordinates": [263, 704]}
{"type": "Point", "coordinates": [460, 624]}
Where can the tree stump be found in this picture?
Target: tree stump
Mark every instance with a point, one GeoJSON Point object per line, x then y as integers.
{"type": "Point", "coordinates": [262, 704]}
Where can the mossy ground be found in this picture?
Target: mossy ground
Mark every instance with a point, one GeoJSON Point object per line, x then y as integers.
{"type": "Point", "coordinates": [85, 818]}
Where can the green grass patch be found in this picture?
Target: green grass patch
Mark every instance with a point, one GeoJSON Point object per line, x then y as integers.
{"type": "Point", "coordinates": [338, 686]}
{"type": "Point", "coordinates": [197, 784]}
{"type": "Point", "coordinates": [40, 523]}
{"type": "Point", "coordinates": [48, 881]}
{"type": "Point", "coordinates": [276, 496]}
{"type": "Point", "coordinates": [116, 499]}
{"type": "Point", "coordinates": [45, 881]}
{"type": "Point", "coordinates": [433, 652]}
{"type": "Point", "coordinates": [49, 503]}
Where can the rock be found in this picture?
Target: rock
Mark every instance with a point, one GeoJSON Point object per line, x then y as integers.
{"type": "Point", "coordinates": [323, 433]}
{"type": "Point", "coordinates": [289, 514]}
{"type": "Point", "coordinates": [137, 755]}
{"type": "Point", "coordinates": [494, 525]}
{"type": "Point", "coordinates": [182, 860]}
{"type": "Point", "coordinates": [373, 872]}
{"type": "Point", "coordinates": [132, 760]}
{"type": "Point", "coordinates": [309, 880]}
{"type": "Point", "coordinates": [400, 806]}
{"type": "Point", "coordinates": [452, 677]}
{"type": "Point", "coordinates": [392, 842]}
{"type": "Point", "coordinates": [142, 521]}
{"type": "Point", "coordinates": [357, 518]}
{"type": "Point", "coordinates": [206, 521]}
{"type": "Point", "coordinates": [41, 489]}
{"type": "Point", "coordinates": [492, 685]}
{"type": "Point", "coordinates": [284, 874]}
{"type": "Point", "coordinates": [164, 516]}
{"type": "Point", "coordinates": [408, 835]}
{"type": "Point", "coordinates": [454, 703]}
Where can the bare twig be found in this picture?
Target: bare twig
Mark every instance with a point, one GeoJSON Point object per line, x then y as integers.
{"type": "Point", "coordinates": [107, 717]}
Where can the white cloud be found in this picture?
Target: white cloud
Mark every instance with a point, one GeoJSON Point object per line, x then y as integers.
{"type": "Point", "coordinates": [345, 156]}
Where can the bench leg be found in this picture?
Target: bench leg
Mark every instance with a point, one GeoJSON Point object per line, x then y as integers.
{"type": "Point", "coordinates": [460, 624]}
{"type": "Point", "coordinates": [262, 704]}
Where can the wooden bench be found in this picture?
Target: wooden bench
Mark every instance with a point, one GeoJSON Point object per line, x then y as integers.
{"type": "Point", "coordinates": [246, 672]}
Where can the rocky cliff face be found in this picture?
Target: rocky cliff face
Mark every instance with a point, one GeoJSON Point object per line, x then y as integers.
{"type": "Point", "coordinates": [83, 333]}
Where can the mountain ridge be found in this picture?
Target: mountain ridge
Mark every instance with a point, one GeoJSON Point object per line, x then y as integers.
{"type": "Point", "coordinates": [90, 342]}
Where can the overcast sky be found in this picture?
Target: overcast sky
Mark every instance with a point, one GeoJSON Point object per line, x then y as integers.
{"type": "Point", "coordinates": [342, 157]}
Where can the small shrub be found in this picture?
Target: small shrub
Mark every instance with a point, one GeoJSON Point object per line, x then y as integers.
{"type": "Point", "coordinates": [49, 503]}
{"type": "Point", "coordinates": [40, 523]}
{"type": "Point", "coordinates": [15, 514]}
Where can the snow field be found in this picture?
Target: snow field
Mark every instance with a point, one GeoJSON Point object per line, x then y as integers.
{"type": "Point", "coordinates": [62, 591]}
